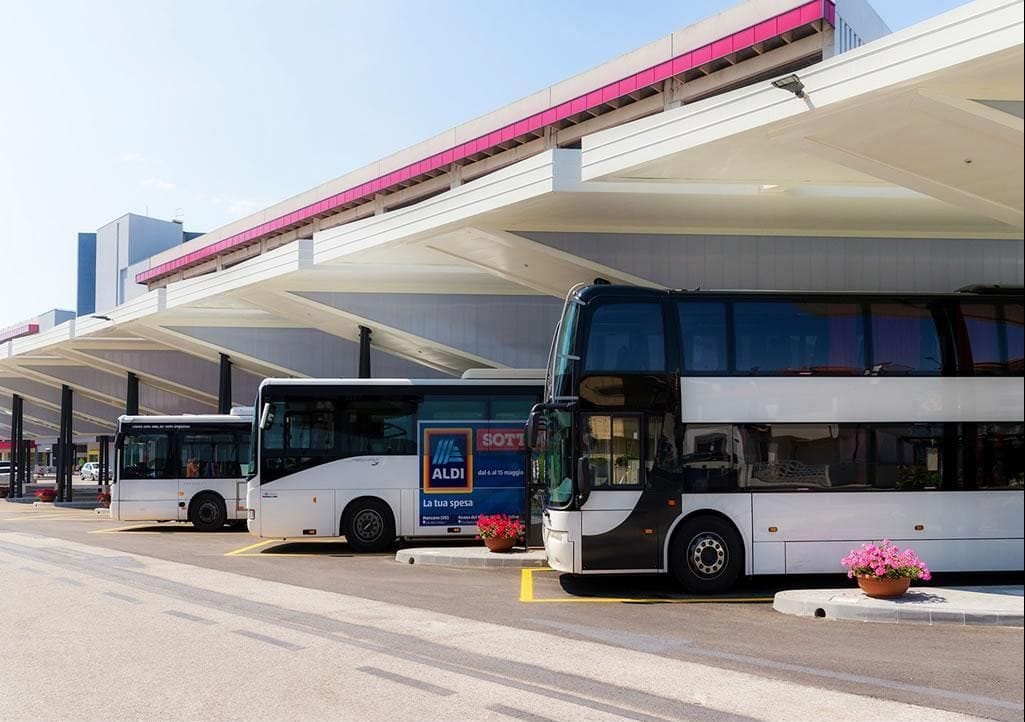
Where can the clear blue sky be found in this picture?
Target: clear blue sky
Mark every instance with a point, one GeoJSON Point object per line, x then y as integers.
{"type": "Point", "coordinates": [222, 108]}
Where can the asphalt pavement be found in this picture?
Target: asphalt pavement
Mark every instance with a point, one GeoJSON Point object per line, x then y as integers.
{"type": "Point", "coordinates": [160, 621]}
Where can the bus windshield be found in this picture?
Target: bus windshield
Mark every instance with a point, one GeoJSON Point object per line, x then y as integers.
{"type": "Point", "coordinates": [554, 462]}
{"type": "Point", "coordinates": [560, 366]}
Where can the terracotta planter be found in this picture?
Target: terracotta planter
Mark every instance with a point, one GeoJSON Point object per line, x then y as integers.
{"type": "Point", "coordinates": [883, 588]}
{"type": "Point", "coordinates": [500, 545]}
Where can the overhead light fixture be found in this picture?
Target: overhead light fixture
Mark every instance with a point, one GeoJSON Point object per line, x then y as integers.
{"type": "Point", "coordinates": [790, 83]}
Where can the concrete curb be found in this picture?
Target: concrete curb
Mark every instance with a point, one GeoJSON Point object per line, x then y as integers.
{"type": "Point", "coordinates": [51, 504]}
{"type": "Point", "coordinates": [991, 606]}
{"type": "Point", "coordinates": [476, 557]}
{"type": "Point", "coordinates": [76, 504]}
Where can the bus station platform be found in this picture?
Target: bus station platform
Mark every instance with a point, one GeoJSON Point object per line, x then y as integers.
{"type": "Point", "coordinates": [472, 556]}
{"type": "Point", "coordinates": [989, 605]}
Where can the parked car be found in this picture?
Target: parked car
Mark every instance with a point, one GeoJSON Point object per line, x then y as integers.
{"type": "Point", "coordinates": [90, 471]}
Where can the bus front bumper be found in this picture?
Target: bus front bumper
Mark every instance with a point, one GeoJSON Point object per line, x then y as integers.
{"type": "Point", "coordinates": [558, 535]}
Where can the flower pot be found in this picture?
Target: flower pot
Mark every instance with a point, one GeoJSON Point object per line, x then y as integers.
{"type": "Point", "coordinates": [882, 588]}
{"type": "Point", "coordinates": [503, 544]}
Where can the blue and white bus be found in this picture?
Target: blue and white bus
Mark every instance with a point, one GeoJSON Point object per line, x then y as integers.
{"type": "Point", "coordinates": [710, 435]}
{"type": "Point", "coordinates": [374, 460]}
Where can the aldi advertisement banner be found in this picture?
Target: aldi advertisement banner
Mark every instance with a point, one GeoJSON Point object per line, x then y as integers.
{"type": "Point", "coordinates": [468, 469]}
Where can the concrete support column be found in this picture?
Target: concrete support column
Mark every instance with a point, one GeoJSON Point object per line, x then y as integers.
{"type": "Point", "coordinates": [103, 477]}
{"type": "Point", "coordinates": [132, 395]}
{"type": "Point", "coordinates": [364, 352]}
{"type": "Point", "coordinates": [224, 387]}
{"type": "Point", "coordinates": [17, 448]}
{"type": "Point", "coordinates": [66, 457]}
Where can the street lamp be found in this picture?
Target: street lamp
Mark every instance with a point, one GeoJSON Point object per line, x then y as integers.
{"type": "Point", "coordinates": [790, 83]}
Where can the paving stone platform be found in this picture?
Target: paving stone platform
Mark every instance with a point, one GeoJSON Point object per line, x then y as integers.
{"type": "Point", "coordinates": [991, 605]}
{"type": "Point", "coordinates": [475, 556]}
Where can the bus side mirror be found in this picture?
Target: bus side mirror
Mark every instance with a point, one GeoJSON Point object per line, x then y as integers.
{"type": "Point", "coordinates": [266, 416]}
{"type": "Point", "coordinates": [119, 442]}
{"type": "Point", "coordinates": [534, 426]}
{"type": "Point", "coordinates": [583, 477]}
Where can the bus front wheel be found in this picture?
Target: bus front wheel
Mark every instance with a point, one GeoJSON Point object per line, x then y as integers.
{"type": "Point", "coordinates": [207, 512]}
{"type": "Point", "coordinates": [706, 556]}
{"type": "Point", "coordinates": [368, 525]}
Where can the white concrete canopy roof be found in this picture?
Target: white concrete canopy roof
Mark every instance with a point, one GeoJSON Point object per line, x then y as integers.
{"type": "Point", "coordinates": [871, 163]}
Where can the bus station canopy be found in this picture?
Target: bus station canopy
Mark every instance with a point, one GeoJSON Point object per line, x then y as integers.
{"type": "Point", "coordinates": [917, 136]}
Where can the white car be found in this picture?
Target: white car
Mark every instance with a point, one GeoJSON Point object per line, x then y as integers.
{"type": "Point", "coordinates": [90, 471]}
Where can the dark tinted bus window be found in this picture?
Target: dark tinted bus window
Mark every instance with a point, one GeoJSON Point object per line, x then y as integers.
{"type": "Point", "coordinates": [909, 457]}
{"type": "Point", "coordinates": [300, 434]}
{"type": "Point", "coordinates": [377, 426]}
{"type": "Point", "coordinates": [904, 340]}
{"type": "Point", "coordinates": [804, 456]}
{"type": "Point", "coordinates": [708, 459]}
{"type": "Point", "coordinates": [981, 340]}
{"type": "Point", "coordinates": [212, 454]}
{"type": "Point", "coordinates": [1014, 322]}
{"type": "Point", "coordinates": [994, 455]}
{"type": "Point", "coordinates": [781, 337]}
{"type": "Point", "coordinates": [454, 408]}
{"type": "Point", "coordinates": [512, 408]}
{"type": "Point", "coordinates": [626, 337]}
{"type": "Point", "coordinates": [703, 332]}
{"type": "Point", "coordinates": [309, 426]}
{"type": "Point", "coordinates": [147, 455]}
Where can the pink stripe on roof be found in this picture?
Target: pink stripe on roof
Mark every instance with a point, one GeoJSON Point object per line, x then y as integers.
{"type": "Point", "coordinates": [12, 332]}
{"type": "Point", "coordinates": [801, 15]}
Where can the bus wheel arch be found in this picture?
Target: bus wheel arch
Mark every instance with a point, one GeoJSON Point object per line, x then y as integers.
{"type": "Point", "coordinates": [207, 511]}
{"type": "Point", "coordinates": [705, 552]}
{"type": "Point", "coordinates": [368, 524]}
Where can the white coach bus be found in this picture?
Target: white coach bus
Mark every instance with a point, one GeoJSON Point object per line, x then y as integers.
{"type": "Point", "coordinates": [377, 459]}
{"type": "Point", "coordinates": [714, 434]}
{"type": "Point", "coordinates": [182, 468]}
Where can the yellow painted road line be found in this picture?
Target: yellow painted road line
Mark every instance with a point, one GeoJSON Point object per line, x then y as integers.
{"type": "Point", "coordinates": [283, 554]}
{"type": "Point", "coordinates": [257, 545]}
{"type": "Point", "coordinates": [527, 596]}
{"type": "Point", "coordinates": [126, 528]}
{"type": "Point", "coordinates": [526, 585]}
{"type": "Point", "coordinates": [40, 517]}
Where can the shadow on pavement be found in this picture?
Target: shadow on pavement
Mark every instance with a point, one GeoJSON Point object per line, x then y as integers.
{"type": "Point", "coordinates": [650, 589]}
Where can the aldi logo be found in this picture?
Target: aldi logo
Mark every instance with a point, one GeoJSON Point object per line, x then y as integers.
{"type": "Point", "coordinates": [448, 463]}
{"type": "Point", "coordinates": [447, 451]}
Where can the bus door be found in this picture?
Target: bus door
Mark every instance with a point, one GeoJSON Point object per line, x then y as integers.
{"type": "Point", "coordinates": [620, 514]}
{"type": "Point", "coordinates": [147, 488]}
{"type": "Point", "coordinates": [210, 461]}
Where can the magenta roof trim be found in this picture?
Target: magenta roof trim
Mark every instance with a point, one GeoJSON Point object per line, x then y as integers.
{"type": "Point", "coordinates": [802, 15]}
{"type": "Point", "coordinates": [13, 332]}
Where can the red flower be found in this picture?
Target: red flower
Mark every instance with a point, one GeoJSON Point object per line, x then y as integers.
{"type": "Point", "coordinates": [499, 526]}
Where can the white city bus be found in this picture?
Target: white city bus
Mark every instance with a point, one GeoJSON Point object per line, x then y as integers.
{"type": "Point", "coordinates": [182, 468]}
{"type": "Point", "coordinates": [714, 434]}
{"type": "Point", "coordinates": [377, 459]}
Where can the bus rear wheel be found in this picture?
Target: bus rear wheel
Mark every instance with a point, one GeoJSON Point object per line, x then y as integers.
{"type": "Point", "coordinates": [368, 525]}
{"type": "Point", "coordinates": [207, 512]}
{"type": "Point", "coordinates": [706, 555]}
